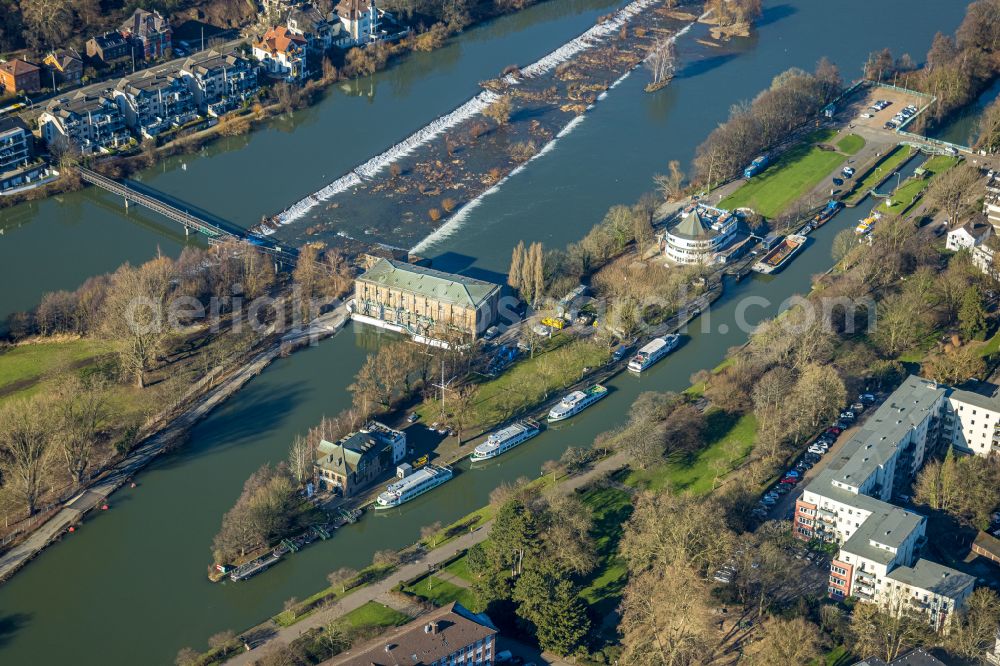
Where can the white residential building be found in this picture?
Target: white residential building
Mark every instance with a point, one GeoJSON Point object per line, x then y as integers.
{"type": "Point", "coordinates": [972, 422]}
{"type": "Point", "coordinates": [90, 123]}
{"type": "Point", "coordinates": [848, 504]}
{"type": "Point", "coordinates": [154, 103]}
{"type": "Point", "coordinates": [282, 54]}
{"type": "Point", "coordinates": [360, 19]}
{"type": "Point", "coordinates": [699, 234]}
{"type": "Point", "coordinates": [991, 203]}
{"type": "Point", "coordinates": [220, 83]}
{"type": "Point", "coordinates": [968, 236]}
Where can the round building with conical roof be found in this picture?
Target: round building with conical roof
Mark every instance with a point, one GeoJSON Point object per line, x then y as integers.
{"type": "Point", "coordinates": [699, 234]}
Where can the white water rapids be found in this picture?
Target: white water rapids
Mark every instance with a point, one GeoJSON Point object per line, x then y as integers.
{"type": "Point", "coordinates": [477, 104]}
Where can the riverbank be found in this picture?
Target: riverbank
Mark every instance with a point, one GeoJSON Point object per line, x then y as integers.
{"type": "Point", "coordinates": [78, 590]}
{"type": "Point", "coordinates": [169, 435]}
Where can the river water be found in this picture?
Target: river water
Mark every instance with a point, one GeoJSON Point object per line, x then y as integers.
{"type": "Point", "coordinates": [130, 585]}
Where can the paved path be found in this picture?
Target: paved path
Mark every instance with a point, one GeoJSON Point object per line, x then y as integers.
{"type": "Point", "coordinates": [95, 494]}
{"type": "Point", "coordinates": [381, 591]}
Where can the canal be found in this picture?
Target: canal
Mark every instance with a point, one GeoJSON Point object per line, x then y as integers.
{"type": "Point", "coordinates": [130, 585]}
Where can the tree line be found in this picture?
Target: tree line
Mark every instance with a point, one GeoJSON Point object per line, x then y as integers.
{"type": "Point", "coordinates": [794, 97]}
{"type": "Point", "coordinates": [956, 70]}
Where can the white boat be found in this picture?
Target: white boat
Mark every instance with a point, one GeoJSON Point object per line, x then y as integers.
{"type": "Point", "coordinates": [505, 439]}
{"type": "Point", "coordinates": [417, 483]}
{"type": "Point", "coordinates": [654, 350]}
{"type": "Point", "coordinates": [576, 402]}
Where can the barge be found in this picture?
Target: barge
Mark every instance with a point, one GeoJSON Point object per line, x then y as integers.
{"type": "Point", "coordinates": [778, 258]}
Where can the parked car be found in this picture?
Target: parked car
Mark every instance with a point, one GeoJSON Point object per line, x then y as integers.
{"type": "Point", "coordinates": [816, 450]}
{"type": "Point", "coordinates": [842, 424]}
{"type": "Point", "coordinates": [793, 473]}
{"type": "Point", "coordinates": [782, 488]}
{"type": "Point", "coordinates": [503, 657]}
{"type": "Point", "coordinates": [867, 398]}
{"type": "Point", "coordinates": [847, 416]}
{"type": "Point", "coordinates": [858, 407]}
{"type": "Point", "coordinates": [491, 332]}
{"type": "Point", "coordinates": [834, 430]}
{"type": "Point", "coordinates": [812, 457]}
{"type": "Point", "coordinates": [805, 464]}
{"type": "Point", "coordinates": [889, 125]}
{"type": "Point", "coordinates": [790, 479]}
{"type": "Point", "coordinates": [412, 418]}
{"type": "Point", "coordinates": [847, 171]}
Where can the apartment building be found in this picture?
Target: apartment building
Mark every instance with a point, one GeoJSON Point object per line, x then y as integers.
{"type": "Point", "coordinates": [972, 421]}
{"type": "Point", "coordinates": [90, 123]}
{"type": "Point", "coordinates": [220, 83]}
{"type": "Point", "coordinates": [848, 503]}
{"type": "Point", "coordinates": [153, 103]}
{"type": "Point", "coordinates": [18, 166]}
{"type": "Point", "coordinates": [991, 203]}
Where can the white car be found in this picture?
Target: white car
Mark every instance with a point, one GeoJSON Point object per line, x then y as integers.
{"type": "Point", "coordinates": [817, 450]}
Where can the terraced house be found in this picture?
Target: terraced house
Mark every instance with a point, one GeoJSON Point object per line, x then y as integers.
{"type": "Point", "coordinates": [424, 302]}
{"type": "Point", "coordinates": [87, 122]}
{"type": "Point", "coordinates": [153, 103]}
{"type": "Point", "coordinates": [849, 503]}
{"type": "Point", "coordinates": [220, 83]}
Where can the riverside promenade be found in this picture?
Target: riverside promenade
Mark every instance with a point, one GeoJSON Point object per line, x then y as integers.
{"type": "Point", "coordinates": [100, 489]}
{"type": "Point", "coordinates": [380, 590]}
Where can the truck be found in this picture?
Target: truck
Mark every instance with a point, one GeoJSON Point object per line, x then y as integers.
{"type": "Point", "coordinates": [755, 167]}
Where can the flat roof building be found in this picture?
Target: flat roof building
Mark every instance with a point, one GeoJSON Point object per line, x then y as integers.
{"type": "Point", "coordinates": [848, 503]}
{"type": "Point", "coordinates": [424, 302]}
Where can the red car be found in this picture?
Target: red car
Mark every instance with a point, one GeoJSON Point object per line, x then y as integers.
{"type": "Point", "coordinates": [834, 430]}
{"type": "Point", "coordinates": [790, 479]}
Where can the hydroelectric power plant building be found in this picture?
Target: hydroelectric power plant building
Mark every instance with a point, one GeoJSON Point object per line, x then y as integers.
{"type": "Point", "coordinates": [425, 303]}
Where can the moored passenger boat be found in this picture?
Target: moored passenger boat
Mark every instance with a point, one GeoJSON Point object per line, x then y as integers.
{"type": "Point", "coordinates": [505, 439]}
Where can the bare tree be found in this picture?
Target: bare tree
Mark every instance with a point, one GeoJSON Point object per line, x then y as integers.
{"type": "Point", "coordinates": [672, 184]}
{"type": "Point", "coordinates": [26, 452]}
{"type": "Point", "coordinates": [300, 460]}
{"type": "Point", "coordinates": [499, 111]}
{"type": "Point", "coordinates": [660, 61]}
{"type": "Point", "coordinates": [342, 577]}
{"type": "Point", "coordinates": [135, 317]}
{"type": "Point", "coordinates": [79, 410]}
{"type": "Point", "coordinates": [431, 533]}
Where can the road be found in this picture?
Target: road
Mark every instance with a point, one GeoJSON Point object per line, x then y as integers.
{"type": "Point", "coordinates": [378, 591]}
{"type": "Point", "coordinates": [161, 441]}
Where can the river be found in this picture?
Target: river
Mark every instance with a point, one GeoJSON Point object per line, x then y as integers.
{"type": "Point", "coordinates": [130, 585]}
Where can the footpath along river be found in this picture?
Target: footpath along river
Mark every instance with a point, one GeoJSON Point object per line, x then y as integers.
{"type": "Point", "coordinates": [129, 586]}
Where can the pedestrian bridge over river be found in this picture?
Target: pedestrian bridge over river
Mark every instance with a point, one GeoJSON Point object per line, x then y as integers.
{"type": "Point", "coordinates": [190, 217]}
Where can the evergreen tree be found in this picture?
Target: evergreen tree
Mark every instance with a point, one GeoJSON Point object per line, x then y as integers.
{"type": "Point", "coordinates": [549, 601]}
{"type": "Point", "coordinates": [972, 315]}
{"type": "Point", "coordinates": [516, 276]}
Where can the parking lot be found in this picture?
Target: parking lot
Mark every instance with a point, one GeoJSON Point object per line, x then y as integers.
{"type": "Point", "coordinates": [784, 508]}
{"type": "Point", "coordinates": [897, 99]}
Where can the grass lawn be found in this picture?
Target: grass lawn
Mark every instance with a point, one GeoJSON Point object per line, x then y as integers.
{"type": "Point", "coordinates": [850, 144]}
{"type": "Point", "coordinates": [374, 614]}
{"type": "Point", "coordinates": [911, 189]}
{"type": "Point", "coordinates": [889, 164]}
{"type": "Point", "coordinates": [441, 592]}
{"type": "Point", "coordinates": [611, 508]}
{"type": "Point", "coordinates": [992, 346]}
{"type": "Point", "coordinates": [839, 656]}
{"type": "Point", "coordinates": [24, 366]}
{"type": "Point", "coordinates": [791, 176]}
{"type": "Point", "coordinates": [530, 381]}
{"type": "Point", "coordinates": [460, 568]}
{"type": "Point", "coordinates": [729, 439]}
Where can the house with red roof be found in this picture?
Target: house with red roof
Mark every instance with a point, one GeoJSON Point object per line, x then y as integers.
{"type": "Point", "coordinates": [282, 54]}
